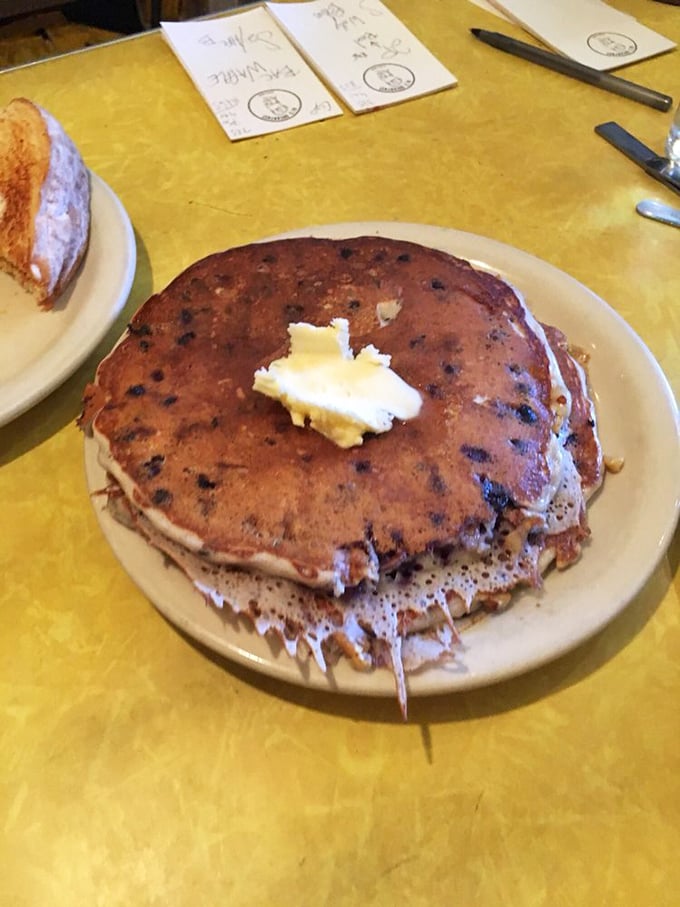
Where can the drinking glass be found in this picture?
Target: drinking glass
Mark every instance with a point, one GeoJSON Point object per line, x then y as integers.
{"type": "Point", "coordinates": [673, 143]}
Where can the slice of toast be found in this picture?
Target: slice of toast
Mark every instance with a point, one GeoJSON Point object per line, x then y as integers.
{"type": "Point", "coordinates": [44, 201]}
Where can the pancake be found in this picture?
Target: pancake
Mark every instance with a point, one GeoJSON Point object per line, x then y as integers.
{"type": "Point", "coordinates": [405, 622]}
{"type": "Point", "coordinates": [372, 552]}
{"type": "Point", "coordinates": [221, 469]}
{"type": "Point", "coordinates": [582, 438]}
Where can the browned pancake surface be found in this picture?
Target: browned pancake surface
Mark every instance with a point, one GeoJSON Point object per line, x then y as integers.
{"type": "Point", "coordinates": [175, 403]}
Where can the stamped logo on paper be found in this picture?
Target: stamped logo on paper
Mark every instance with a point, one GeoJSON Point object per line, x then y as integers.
{"type": "Point", "coordinates": [612, 44]}
{"type": "Point", "coordinates": [389, 77]}
{"type": "Point", "coordinates": [275, 105]}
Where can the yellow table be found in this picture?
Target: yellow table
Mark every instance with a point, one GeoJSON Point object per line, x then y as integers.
{"type": "Point", "coordinates": [137, 769]}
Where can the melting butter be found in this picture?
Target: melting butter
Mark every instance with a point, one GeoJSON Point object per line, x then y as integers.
{"type": "Point", "coordinates": [342, 396]}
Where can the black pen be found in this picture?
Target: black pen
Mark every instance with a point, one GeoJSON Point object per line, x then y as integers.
{"type": "Point", "coordinates": [569, 67]}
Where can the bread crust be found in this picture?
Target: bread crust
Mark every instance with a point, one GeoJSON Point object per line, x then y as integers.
{"type": "Point", "coordinates": [44, 201]}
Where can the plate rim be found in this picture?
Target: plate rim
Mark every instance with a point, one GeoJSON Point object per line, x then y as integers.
{"type": "Point", "coordinates": [434, 679]}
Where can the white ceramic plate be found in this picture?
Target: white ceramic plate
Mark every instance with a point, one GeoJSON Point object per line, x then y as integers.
{"type": "Point", "coordinates": [40, 349]}
{"type": "Point", "coordinates": [632, 519]}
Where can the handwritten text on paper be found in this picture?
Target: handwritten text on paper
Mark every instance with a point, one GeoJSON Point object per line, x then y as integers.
{"type": "Point", "coordinates": [363, 51]}
{"type": "Point", "coordinates": [250, 75]}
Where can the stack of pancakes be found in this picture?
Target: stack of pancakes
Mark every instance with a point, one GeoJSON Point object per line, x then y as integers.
{"type": "Point", "coordinates": [373, 551]}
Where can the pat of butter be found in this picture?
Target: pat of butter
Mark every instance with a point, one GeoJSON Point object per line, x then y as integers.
{"type": "Point", "coordinates": [342, 396]}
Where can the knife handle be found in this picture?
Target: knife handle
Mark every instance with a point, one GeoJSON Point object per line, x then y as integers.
{"type": "Point", "coordinates": [653, 164]}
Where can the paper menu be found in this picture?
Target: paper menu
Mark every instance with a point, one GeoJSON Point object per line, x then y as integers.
{"type": "Point", "coordinates": [363, 51]}
{"type": "Point", "coordinates": [252, 78]}
{"type": "Point", "coordinates": [588, 31]}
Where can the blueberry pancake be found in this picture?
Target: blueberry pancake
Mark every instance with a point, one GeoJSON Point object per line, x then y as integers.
{"type": "Point", "coordinates": [370, 551]}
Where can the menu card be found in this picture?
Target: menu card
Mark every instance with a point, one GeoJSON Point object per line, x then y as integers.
{"type": "Point", "coordinates": [250, 75]}
{"type": "Point", "coordinates": [363, 51]}
{"type": "Point", "coordinates": [588, 31]}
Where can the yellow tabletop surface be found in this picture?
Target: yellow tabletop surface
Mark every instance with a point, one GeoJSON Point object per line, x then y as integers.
{"type": "Point", "coordinates": [135, 767]}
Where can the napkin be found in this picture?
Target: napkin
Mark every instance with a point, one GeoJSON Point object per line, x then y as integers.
{"type": "Point", "coordinates": [588, 31]}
